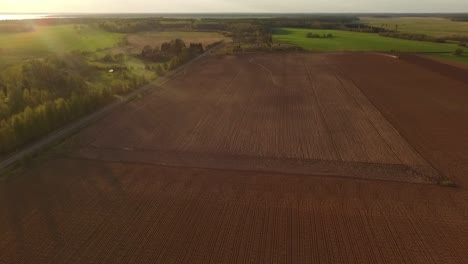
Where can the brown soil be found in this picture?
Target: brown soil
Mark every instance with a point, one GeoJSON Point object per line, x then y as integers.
{"type": "Point", "coordinates": [259, 108]}
{"type": "Point", "coordinates": [268, 192]}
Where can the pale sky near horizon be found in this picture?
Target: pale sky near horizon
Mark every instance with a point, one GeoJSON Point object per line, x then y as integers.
{"type": "Point", "coordinates": [200, 6]}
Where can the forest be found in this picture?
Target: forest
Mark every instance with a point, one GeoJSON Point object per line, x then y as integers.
{"type": "Point", "coordinates": [43, 95]}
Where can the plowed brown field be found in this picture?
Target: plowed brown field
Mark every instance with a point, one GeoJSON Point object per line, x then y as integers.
{"type": "Point", "coordinates": [288, 113]}
{"type": "Point", "coordinates": [286, 158]}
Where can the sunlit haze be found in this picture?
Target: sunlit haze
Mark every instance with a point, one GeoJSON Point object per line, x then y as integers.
{"type": "Point", "coordinates": [302, 6]}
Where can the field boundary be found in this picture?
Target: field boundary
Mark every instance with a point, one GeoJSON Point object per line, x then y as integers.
{"type": "Point", "coordinates": [334, 168]}
{"type": "Point", "coordinates": [448, 68]}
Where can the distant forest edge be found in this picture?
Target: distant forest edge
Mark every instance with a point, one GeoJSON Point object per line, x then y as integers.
{"type": "Point", "coordinates": [351, 22]}
{"type": "Point", "coordinates": [56, 70]}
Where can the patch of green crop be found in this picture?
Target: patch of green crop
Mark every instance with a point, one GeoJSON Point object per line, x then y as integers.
{"type": "Point", "coordinates": [449, 56]}
{"type": "Point", "coordinates": [355, 41]}
{"type": "Point", "coordinates": [432, 26]}
{"type": "Point", "coordinates": [45, 40]}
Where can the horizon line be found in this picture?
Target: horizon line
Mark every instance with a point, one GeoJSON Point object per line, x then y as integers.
{"type": "Point", "coordinates": [211, 12]}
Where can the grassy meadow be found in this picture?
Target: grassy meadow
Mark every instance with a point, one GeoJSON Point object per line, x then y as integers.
{"type": "Point", "coordinates": [432, 26]}
{"type": "Point", "coordinates": [47, 40]}
{"type": "Point", "coordinates": [355, 41]}
{"type": "Point", "coordinates": [451, 57]}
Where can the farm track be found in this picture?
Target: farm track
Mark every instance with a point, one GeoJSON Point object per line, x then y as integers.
{"type": "Point", "coordinates": [103, 204]}
{"type": "Point", "coordinates": [362, 170]}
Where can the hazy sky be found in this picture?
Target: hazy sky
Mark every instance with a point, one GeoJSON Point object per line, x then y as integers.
{"type": "Point", "coordinates": [303, 6]}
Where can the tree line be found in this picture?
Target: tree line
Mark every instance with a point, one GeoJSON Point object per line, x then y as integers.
{"type": "Point", "coordinates": [158, 24]}
{"type": "Point", "coordinates": [250, 31]}
{"type": "Point", "coordinates": [459, 18]}
{"type": "Point", "coordinates": [314, 35]}
{"type": "Point", "coordinates": [413, 36]}
{"type": "Point", "coordinates": [172, 54]}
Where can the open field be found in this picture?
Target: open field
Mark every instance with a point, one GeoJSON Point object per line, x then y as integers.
{"type": "Point", "coordinates": [225, 164]}
{"type": "Point", "coordinates": [58, 39]}
{"type": "Point", "coordinates": [294, 112]}
{"type": "Point", "coordinates": [55, 39]}
{"type": "Point", "coordinates": [432, 26]}
{"type": "Point", "coordinates": [355, 41]}
{"type": "Point", "coordinates": [72, 211]}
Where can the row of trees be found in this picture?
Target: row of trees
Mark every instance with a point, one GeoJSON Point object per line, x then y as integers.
{"type": "Point", "coordinates": [130, 25]}
{"type": "Point", "coordinates": [166, 51]}
{"type": "Point", "coordinates": [359, 27]}
{"type": "Point", "coordinates": [159, 24]}
{"type": "Point", "coordinates": [459, 18]}
{"type": "Point", "coordinates": [313, 21]}
{"type": "Point", "coordinates": [118, 25]}
{"type": "Point", "coordinates": [459, 38]}
{"type": "Point", "coordinates": [243, 30]}
{"type": "Point", "coordinates": [411, 36]}
{"type": "Point", "coordinates": [250, 32]}
{"type": "Point", "coordinates": [172, 54]}
{"type": "Point", "coordinates": [313, 35]}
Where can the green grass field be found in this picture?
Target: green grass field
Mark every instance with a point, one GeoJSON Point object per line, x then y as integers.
{"type": "Point", "coordinates": [459, 59]}
{"type": "Point", "coordinates": [432, 26]}
{"type": "Point", "coordinates": [355, 41]}
{"type": "Point", "coordinates": [15, 47]}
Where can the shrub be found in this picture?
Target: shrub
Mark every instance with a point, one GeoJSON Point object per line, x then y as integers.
{"type": "Point", "coordinates": [108, 58]}
{"type": "Point", "coordinates": [313, 35]}
{"type": "Point", "coordinates": [159, 70]}
{"type": "Point", "coordinates": [458, 52]}
{"type": "Point", "coordinates": [447, 183]}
